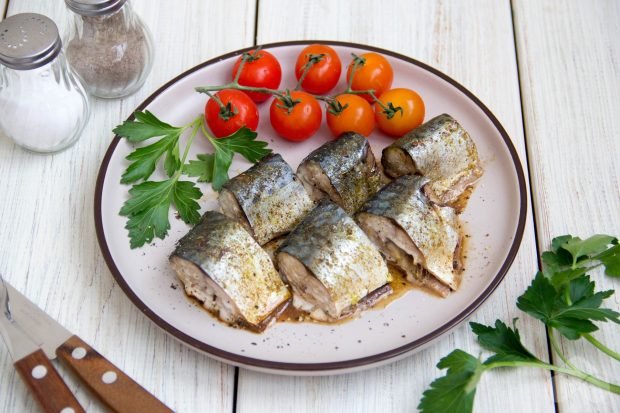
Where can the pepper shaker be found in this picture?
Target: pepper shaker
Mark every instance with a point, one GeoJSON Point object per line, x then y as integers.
{"type": "Point", "coordinates": [44, 106]}
{"type": "Point", "coordinates": [109, 47]}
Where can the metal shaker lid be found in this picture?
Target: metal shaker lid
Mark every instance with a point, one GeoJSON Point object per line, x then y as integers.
{"type": "Point", "coordinates": [28, 41]}
{"type": "Point", "coordinates": [94, 7]}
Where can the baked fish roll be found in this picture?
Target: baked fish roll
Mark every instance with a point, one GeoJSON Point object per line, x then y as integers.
{"type": "Point", "coordinates": [267, 199]}
{"type": "Point", "coordinates": [331, 265]}
{"type": "Point", "coordinates": [221, 265]}
{"type": "Point", "coordinates": [416, 235]}
{"type": "Point", "coordinates": [440, 150]}
{"type": "Point", "coordinates": [343, 170]}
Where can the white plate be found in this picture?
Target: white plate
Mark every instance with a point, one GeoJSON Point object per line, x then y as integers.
{"type": "Point", "coordinates": [494, 220]}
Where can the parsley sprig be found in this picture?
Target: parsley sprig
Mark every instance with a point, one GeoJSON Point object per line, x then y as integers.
{"type": "Point", "coordinates": [563, 297]}
{"type": "Point", "coordinates": [148, 207]}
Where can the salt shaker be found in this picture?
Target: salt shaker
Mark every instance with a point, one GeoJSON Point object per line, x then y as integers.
{"type": "Point", "coordinates": [43, 105]}
{"type": "Point", "coordinates": [109, 47]}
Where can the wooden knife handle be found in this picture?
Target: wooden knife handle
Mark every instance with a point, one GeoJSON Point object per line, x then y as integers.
{"type": "Point", "coordinates": [113, 386]}
{"type": "Point", "coordinates": [46, 384]}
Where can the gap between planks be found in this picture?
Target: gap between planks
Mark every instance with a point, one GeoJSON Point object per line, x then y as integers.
{"type": "Point", "coordinates": [537, 246]}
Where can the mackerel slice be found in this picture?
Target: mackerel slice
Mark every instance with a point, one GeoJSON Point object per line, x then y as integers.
{"type": "Point", "coordinates": [416, 235]}
{"type": "Point", "coordinates": [334, 270]}
{"type": "Point", "coordinates": [442, 151]}
{"type": "Point", "coordinates": [221, 265]}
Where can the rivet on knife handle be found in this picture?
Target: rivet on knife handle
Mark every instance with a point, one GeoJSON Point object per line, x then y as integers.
{"type": "Point", "coordinates": [46, 384]}
{"type": "Point", "coordinates": [113, 386]}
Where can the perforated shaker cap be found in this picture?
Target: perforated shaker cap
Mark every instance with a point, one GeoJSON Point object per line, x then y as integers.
{"type": "Point", "coordinates": [28, 41]}
{"type": "Point", "coordinates": [94, 7]}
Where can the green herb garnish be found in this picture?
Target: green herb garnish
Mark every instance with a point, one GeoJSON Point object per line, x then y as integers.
{"type": "Point", "coordinates": [563, 297]}
{"type": "Point", "coordinates": [148, 207]}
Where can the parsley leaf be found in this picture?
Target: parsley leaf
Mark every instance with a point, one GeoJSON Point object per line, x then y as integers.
{"type": "Point", "coordinates": [571, 257]}
{"type": "Point", "coordinates": [244, 143]}
{"type": "Point", "coordinates": [144, 160]}
{"type": "Point", "coordinates": [587, 248]}
{"type": "Point", "coordinates": [201, 168]}
{"type": "Point", "coordinates": [544, 302]}
{"type": "Point", "coordinates": [455, 391]}
{"type": "Point", "coordinates": [148, 207]}
{"type": "Point", "coordinates": [144, 127]}
{"type": "Point", "coordinates": [214, 167]}
{"type": "Point", "coordinates": [502, 340]}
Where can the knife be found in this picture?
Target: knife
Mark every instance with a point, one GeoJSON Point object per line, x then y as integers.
{"type": "Point", "coordinates": [34, 338]}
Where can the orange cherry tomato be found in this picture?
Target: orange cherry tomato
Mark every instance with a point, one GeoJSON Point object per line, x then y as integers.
{"type": "Point", "coordinates": [373, 72]}
{"type": "Point", "coordinates": [407, 111]}
{"type": "Point", "coordinates": [322, 75]}
{"type": "Point", "coordinates": [298, 119]}
{"type": "Point", "coordinates": [356, 116]}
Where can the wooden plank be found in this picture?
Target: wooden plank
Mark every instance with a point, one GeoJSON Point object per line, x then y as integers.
{"type": "Point", "coordinates": [48, 244]}
{"type": "Point", "coordinates": [472, 42]}
{"type": "Point", "coordinates": [568, 58]}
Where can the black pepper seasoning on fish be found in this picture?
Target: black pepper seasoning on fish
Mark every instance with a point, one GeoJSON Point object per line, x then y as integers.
{"type": "Point", "coordinates": [331, 265]}
{"type": "Point", "coordinates": [221, 265]}
{"type": "Point", "coordinates": [267, 199]}
{"type": "Point", "coordinates": [442, 151]}
{"type": "Point", "coordinates": [415, 234]}
{"type": "Point", "coordinates": [343, 170]}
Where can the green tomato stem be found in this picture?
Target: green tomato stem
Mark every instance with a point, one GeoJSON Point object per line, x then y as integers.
{"type": "Point", "coordinates": [281, 94]}
{"type": "Point", "coordinates": [312, 60]}
{"type": "Point", "coordinates": [614, 388]}
{"type": "Point", "coordinates": [602, 347]}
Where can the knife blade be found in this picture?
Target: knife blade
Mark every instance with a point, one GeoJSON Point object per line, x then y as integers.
{"type": "Point", "coordinates": [32, 364]}
{"type": "Point", "coordinates": [111, 384]}
{"type": "Point", "coordinates": [39, 326]}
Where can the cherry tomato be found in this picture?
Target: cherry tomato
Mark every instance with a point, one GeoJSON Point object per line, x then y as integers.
{"type": "Point", "coordinates": [261, 69]}
{"type": "Point", "coordinates": [408, 117]}
{"type": "Point", "coordinates": [324, 74]}
{"type": "Point", "coordinates": [238, 111]}
{"type": "Point", "coordinates": [356, 116]}
{"type": "Point", "coordinates": [299, 122]}
{"type": "Point", "coordinates": [373, 72]}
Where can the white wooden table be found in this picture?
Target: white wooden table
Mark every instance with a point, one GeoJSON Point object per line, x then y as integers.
{"type": "Point", "coordinates": [549, 70]}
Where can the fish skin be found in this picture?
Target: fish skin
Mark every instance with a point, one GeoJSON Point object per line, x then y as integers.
{"type": "Point", "coordinates": [271, 196]}
{"type": "Point", "coordinates": [344, 162]}
{"type": "Point", "coordinates": [225, 252]}
{"type": "Point", "coordinates": [338, 253]}
{"type": "Point", "coordinates": [441, 150]}
{"type": "Point", "coordinates": [432, 228]}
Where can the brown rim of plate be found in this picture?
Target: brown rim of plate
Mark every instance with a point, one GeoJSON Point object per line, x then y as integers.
{"type": "Point", "coordinates": [314, 367]}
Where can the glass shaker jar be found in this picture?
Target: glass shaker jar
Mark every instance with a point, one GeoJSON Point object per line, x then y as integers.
{"type": "Point", "coordinates": [43, 105]}
{"type": "Point", "coordinates": [109, 47]}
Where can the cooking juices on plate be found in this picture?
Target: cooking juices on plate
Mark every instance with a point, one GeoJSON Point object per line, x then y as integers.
{"type": "Point", "coordinates": [333, 262]}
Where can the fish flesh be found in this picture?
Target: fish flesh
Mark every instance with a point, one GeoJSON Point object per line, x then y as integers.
{"type": "Point", "coordinates": [267, 199]}
{"type": "Point", "coordinates": [442, 151]}
{"type": "Point", "coordinates": [334, 270]}
{"type": "Point", "coordinates": [343, 170]}
{"type": "Point", "coordinates": [221, 265]}
{"type": "Point", "coordinates": [415, 234]}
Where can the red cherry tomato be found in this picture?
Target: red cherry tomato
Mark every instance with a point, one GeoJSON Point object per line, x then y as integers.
{"type": "Point", "coordinates": [323, 75]}
{"type": "Point", "coordinates": [297, 122]}
{"type": "Point", "coordinates": [373, 72]}
{"type": "Point", "coordinates": [408, 117]}
{"type": "Point", "coordinates": [261, 69]}
{"type": "Point", "coordinates": [356, 116]}
{"type": "Point", "coordinates": [238, 111]}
